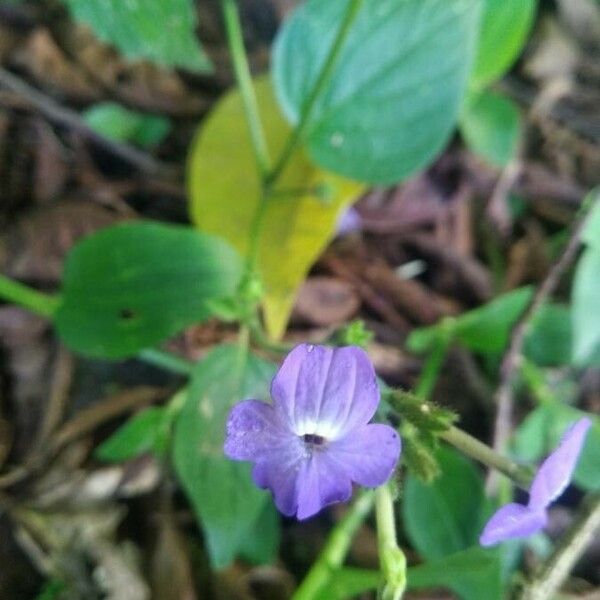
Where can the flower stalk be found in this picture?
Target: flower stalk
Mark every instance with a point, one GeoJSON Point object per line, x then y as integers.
{"type": "Point", "coordinates": [470, 446]}
{"type": "Point", "coordinates": [336, 548]}
{"type": "Point", "coordinates": [391, 558]}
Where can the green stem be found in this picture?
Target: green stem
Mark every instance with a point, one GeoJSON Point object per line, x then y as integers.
{"type": "Point", "coordinates": [338, 543]}
{"type": "Point", "coordinates": [255, 231]}
{"type": "Point", "coordinates": [243, 341]}
{"type": "Point", "coordinates": [391, 557]}
{"type": "Point", "coordinates": [467, 444]}
{"type": "Point", "coordinates": [166, 360]}
{"type": "Point", "coordinates": [41, 304]}
{"type": "Point", "coordinates": [235, 40]}
{"type": "Point", "coordinates": [535, 381]}
{"type": "Point", "coordinates": [260, 338]}
{"type": "Point", "coordinates": [307, 108]}
{"type": "Point", "coordinates": [435, 361]}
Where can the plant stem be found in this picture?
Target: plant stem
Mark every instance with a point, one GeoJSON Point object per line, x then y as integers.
{"type": "Point", "coordinates": [259, 337]}
{"type": "Point", "coordinates": [46, 305]}
{"type": "Point", "coordinates": [435, 361]}
{"type": "Point", "coordinates": [391, 557]}
{"type": "Point", "coordinates": [255, 231]}
{"type": "Point", "coordinates": [41, 304]}
{"type": "Point", "coordinates": [235, 40]}
{"type": "Point", "coordinates": [335, 550]}
{"type": "Point", "coordinates": [305, 114]}
{"type": "Point", "coordinates": [166, 360]}
{"type": "Point", "coordinates": [567, 553]}
{"type": "Point", "coordinates": [535, 381]}
{"type": "Point", "coordinates": [467, 444]}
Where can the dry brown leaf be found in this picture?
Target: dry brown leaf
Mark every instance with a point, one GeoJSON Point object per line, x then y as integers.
{"type": "Point", "coordinates": [41, 57]}
{"type": "Point", "coordinates": [36, 245]}
{"type": "Point", "coordinates": [325, 301]}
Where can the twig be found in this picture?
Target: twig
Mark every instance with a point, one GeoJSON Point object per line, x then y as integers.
{"type": "Point", "coordinates": [497, 208]}
{"type": "Point", "coordinates": [58, 397]}
{"type": "Point", "coordinates": [85, 421]}
{"type": "Point", "coordinates": [512, 358]}
{"type": "Point", "coordinates": [66, 117]}
{"type": "Point", "coordinates": [567, 553]}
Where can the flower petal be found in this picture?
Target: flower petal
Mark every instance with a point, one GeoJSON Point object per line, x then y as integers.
{"type": "Point", "coordinates": [325, 391]}
{"type": "Point", "coordinates": [254, 429]}
{"type": "Point", "coordinates": [303, 483]}
{"type": "Point", "coordinates": [512, 521]}
{"type": "Point", "coordinates": [556, 471]}
{"type": "Point", "coordinates": [321, 481]}
{"type": "Point", "coordinates": [369, 454]}
{"type": "Point", "coordinates": [278, 472]}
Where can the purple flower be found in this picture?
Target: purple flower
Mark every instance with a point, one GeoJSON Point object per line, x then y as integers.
{"type": "Point", "coordinates": [517, 520]}
{"type": "Point", "coordinates": [349, 222]}
{"type": "Point", "coordinates": [314, 440]}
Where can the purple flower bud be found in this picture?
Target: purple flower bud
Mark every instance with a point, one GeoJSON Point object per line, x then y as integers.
{"type": "Point", "coordinates": [553, 476]}
{"type": "Point", "coordinates": [314, 440]}
{"type": "Point", "coordinates": [349, 222]}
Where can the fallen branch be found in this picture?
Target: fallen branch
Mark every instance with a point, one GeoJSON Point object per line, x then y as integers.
{"type": "Point", "coordinates": [60, 115]}
{"type": "Point", "coordinates": [569, 550]}
{"type": "Point", "coordinates": [504, 396]}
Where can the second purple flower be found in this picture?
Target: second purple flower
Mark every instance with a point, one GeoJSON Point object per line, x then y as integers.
{"type": "Point", "coordinates": [315, 439]}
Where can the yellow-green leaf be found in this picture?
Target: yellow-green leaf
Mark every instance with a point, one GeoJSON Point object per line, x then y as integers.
{"type": "Point", "coordinates": [300, 217]}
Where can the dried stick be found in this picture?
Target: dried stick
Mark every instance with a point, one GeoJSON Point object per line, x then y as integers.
{"type": "Point", "coordinates": [66, 117]}
{"type": "Point", "coordinates": [504, 396]}
{"type": "Point", "coordinates": [567, 553]}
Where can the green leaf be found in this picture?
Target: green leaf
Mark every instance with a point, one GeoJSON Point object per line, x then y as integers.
{"type": "Point", "coordinates": [297, 223]}
{"type": "Point", "coordinates": [585, 313]}
{"type": "Point", "coordinates": [394, 95]}
{"type": "Point", "coordinates": [133, 285]}
{"type": "Point", "coordinates": [144, 432]}
{"type": "Point", "coordinates": [349, 582]}
{"type": "Point", "coordinates": [505, 26]}
{"type": "Point", "coordinates": [484, 329]}
{"type": "Point", "coordinates": [119, 123]}
{"type": "Point", "coordinates": [473, 574]}
{"type": "Point", "coordinates": [260, 545]}
{"type": "Point", "coordinates": [487, 328]}
{"type": "Point", "coordinates": [224, 498]}
{"type": "Point", "coordinates": [591, 232]}
{"type": "Point", "coordinates": [587, 473]}
{"type": "Point", "coordinates": [491, 127]}
{"type": "Point", "coordinates": [549, 340]}
{"type": "Point", "coordinates": [541, 431]}
{"type": "Point", "coordinates": [423, 339]}
{"type": "Point", "coordinates": [446, 515]}
{"type": "Point", "coordinates": [162, 31]}
{"type": "Point", "coordinates": [530, 439]}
